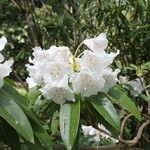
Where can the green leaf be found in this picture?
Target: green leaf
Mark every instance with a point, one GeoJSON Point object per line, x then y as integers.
{"type": "Point", "coordinates": [9, 136]}
{"type": "Point", "coordinates": [32, 95]}
{"type": "Point", "coordinates": [98, 118]}
{"type": "Point", "coordinates": [106, 109]}
{"type": "Point", "coordinates": [41, 134]}
{"type": "Point", "coordinates": [55, 123]}
{"type": "Point", "coordinates": [69, 122]}
{"type": "Point", "coordinates": [119, 97]}
{"type": "Point", "coordinates": [15, 116]}
{"type": "Point", "coordinates": [38, 130]}
{"type": "Point", "coordinates": [145, 98]}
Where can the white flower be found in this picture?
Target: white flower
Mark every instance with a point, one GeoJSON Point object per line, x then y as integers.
{"type": "Point", "coordinates": [3, 42]}
{"type": "Point", "coordinates": [59, 92]}
{"type": "Point", "coordinates": [93, 61]}
{"type": "Point", "coordinates": [30, 82]}
{"type": "Point", "coordinates": [87, 75]}
{"type": "Point", "coordinates": [97, 62]}
{"type": "Point", "coordinates": [87, 83]}
{"type": "Point", "coordinates": [53, 62]}
{"type": "Point", "coordinates": [63, 53]}
{"type": "Point", "coordinates": [95, 135]}
{"type": "Point", "coordinates": [55, 70]}
{"type": "Point", "coordinates": [5, 69]}
{"type": "Point", "coordinates": [137, 87]}
{"type": "Point", "coordinates": [60, 53]}
{"type": "Point", "coordinates": [91, 133]}
{"type": "Point", "coordinates": [86, 130]}
{"type": "Point", "coordinates": [1, 58]}
{"type": "Point", "coordinates": [41, 55]}
{"type": "Point", "coordinates": [35, 74]}
{"type": "Point", "coordinates": [123, 79]}
{"type": "Point", "coordinates": [98, 43]}
{"type": "Point", "coordinates": [111, 78]}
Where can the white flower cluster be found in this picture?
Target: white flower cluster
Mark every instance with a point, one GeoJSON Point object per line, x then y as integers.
{"type": "Point", "coordinates": [5, 67]}
{"type": "Point", "coordinates": [95, 135]}
{"type": "Point", "coordinates": [136, 84]}
{"type": "Point", "coordinates": [92, 133]}
{"type": "Point", "coordinates": [60, 74]}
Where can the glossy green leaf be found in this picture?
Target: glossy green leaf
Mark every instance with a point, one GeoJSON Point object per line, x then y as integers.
{"type": "Point", "coordinates": [117, 95]}
{"type": "Point", "coordinates": [106, 109]}
{"type": "Point", "coordinates": [69, 122]}
{"type": "Point", "coordinates": [41, 134]}
{"type": "Point", "coordinates": [15, 116]}
{"type": "Point", "coordinates": [38, 130]}
{"type": "Point", "coordinates": [55, 123]}
{"type": "Point", "coordinates": [32, 95]}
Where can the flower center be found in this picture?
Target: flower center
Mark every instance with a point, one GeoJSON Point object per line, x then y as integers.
{"type": "Point", "coordinates": [93, 62]}
{"type": "Point", "coordinates": [56, 71]}
{"type": "Point", "coordinates": [75, 66]}
{"type": "Point", "coordinates": [59, 93]}
{"type": "Point", "coordinates": [86, 81]}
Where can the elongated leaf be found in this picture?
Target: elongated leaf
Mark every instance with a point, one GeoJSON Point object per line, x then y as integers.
{"type": "Point", "coordinates": [38, 130]}
{"type": "Point", "coordinates": [14, 115]}
{"type": "Point", "coordinates": [98, 118]}
{"type": "Point", "coordinates": [41, 134]}
{"type": "Point", "coordinates": [32, 95]}
{"type": "Point", "coordinates": [120, 97]}
{"type": "Point", "coordinates": [9, 136]}
{"type": "Point", "coordinates": [107, 110]}
{"type": "Point", "coordinates": [69, 122]}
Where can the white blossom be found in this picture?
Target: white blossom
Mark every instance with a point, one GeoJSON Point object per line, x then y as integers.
{"type": "Point", "coordinates": [137, 86]}
{"type": "Point", "coordinates": [91, 133]}
{"type": "Point", "coordinates": [87, 83]}
{"type": "Point", "coordinates": [86, 130]}
{"type": "Point", "coordinates": [123, 79]}
{"type": "Point", "coordinates": [98, 44]}
{"type": "Point", "coordinates": [30, 82]}
{"type": "Point", "coordinates": [59, 92]}
{"type": "Point", "coordinates": [94, 62]}
{"type": "Point", "coordinates": [110, 77]}
{"type": "Point", "coordinates": [55, 70]}
{"type": "Point", "coordinates": [95, 135]}
{"type": "Point", "coordinates": [5, 67]}
{"type": "Point", "coordinates": [63, 53]}
{"type": "Point", "coordinates": [87, 75]}
{"type": "Point", "coordinates": [97, 62]}
{"type": "Point", "coordinates": [35, 74]}
{"type": "Point", "coordinates": [3, 42]}
{"type": "Point", "coordinates": [1, 58]}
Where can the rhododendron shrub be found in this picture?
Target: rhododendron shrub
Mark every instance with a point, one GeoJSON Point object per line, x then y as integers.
{"type": "Point", "coordinates": [53, 70]}
{"type": "Point", "coordinates": [77, 91]}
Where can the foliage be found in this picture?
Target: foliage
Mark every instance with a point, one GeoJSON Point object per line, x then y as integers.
{"type": "Point", "coordinates": [14, 109]}
{"type": "Point", "coordinates": [69, 22]}
{"type": "Point", "coordinates": [30, 121]}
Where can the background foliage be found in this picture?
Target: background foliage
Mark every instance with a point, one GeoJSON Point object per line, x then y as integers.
{"type": "Point", "coordinates": [69, 22]}
{"type": "Point", "coordinates": [29, 23]}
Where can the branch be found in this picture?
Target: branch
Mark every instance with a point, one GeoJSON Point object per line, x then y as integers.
{"type": "Point", "coordinates": [123, 125]}
{"type": "Point", "coordinates": [138, 135]}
